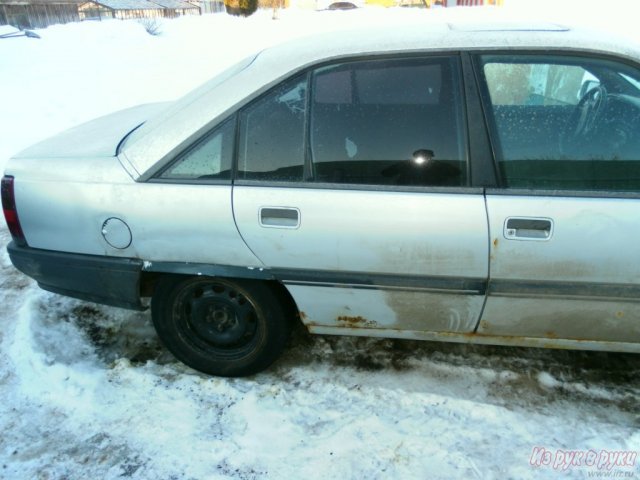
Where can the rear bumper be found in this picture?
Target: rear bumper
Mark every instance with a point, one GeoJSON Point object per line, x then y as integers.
{"type": "Point", "coordinates": [107, 280]}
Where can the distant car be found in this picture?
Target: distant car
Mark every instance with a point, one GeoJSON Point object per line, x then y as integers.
{"type": "Point", "coordinates": [339, 4]}
{"type": "Point", "coordinates": [458, 182]}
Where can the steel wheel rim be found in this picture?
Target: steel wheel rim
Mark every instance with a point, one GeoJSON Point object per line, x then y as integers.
{"type": "Point", "coordinates": [216, 317]}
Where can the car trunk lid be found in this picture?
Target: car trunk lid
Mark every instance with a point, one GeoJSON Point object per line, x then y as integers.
{"type": "Point", "coordinates": [96, 138]}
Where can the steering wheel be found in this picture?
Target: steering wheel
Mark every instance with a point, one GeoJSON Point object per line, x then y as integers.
{"type": "Point", "coordinates": [584, 118]}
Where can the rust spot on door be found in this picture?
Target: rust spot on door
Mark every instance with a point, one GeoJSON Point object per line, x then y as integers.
{"type": "Point", "coordinates": [303, 316]}
{"type": "Point", "coordinates": [495, 242]}
{"type": "Point", "coordinates": [356, 322]}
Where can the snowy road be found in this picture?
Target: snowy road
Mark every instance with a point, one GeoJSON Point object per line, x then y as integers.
{"type": "Point", "coordinates": [88, 392]}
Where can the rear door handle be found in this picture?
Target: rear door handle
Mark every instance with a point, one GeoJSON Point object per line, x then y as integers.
{"type": "Point", "coordinates": [528, 228]}
{"type": "Point", "coordinates": [279, 217]}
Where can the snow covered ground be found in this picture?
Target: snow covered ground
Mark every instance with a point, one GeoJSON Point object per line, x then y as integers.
{"type": "Point", "coordinates": [87, 392]}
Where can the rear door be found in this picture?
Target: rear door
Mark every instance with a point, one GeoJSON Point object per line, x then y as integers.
{"type": "Point", "coordinates": [565, 254]}
{"type": "Point", "coordinates": [352, 187]}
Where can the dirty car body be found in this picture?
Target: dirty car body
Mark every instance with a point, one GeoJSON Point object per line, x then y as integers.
{"type": "Point", "coordinates": [456, 182]}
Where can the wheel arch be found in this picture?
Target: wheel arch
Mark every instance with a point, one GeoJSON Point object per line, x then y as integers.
{"type": "Point", "coordinates": [149, 281]}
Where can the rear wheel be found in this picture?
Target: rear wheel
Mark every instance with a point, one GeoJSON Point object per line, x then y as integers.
{"type": "Point", "coordinates": [218, 326]}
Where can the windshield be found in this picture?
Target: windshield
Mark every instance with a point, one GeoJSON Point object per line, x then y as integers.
{"type": "Point", "coordinates": [632, 81]}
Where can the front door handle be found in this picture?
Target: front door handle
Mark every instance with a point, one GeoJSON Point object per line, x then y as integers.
{"type": "Point", "coordinates": [279, 217]}
{"type": "Point", "coordinates": [528, 228]}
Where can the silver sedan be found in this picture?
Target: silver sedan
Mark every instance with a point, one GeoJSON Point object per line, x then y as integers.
{"type": "Point", "coordinates": [467, 183]}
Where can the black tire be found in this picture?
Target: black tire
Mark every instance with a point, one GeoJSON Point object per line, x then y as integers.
{"type": "Point", "coordinates": [218, 326]}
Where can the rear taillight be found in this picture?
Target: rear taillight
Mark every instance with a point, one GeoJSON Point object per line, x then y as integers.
{"type": "Point", "coordinates": [10, 212]}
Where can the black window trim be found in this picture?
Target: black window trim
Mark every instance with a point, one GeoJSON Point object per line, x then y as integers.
{"type": "Point", "coordinates": [471, 190]}
{"type": "Point", "coordinates": [482, 168]}
{"type": "Point", "coordinates": [308, 171]}
{"type": "Point", "coordinates": [526, 192]}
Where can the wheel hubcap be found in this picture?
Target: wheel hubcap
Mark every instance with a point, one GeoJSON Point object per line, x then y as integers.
{"type": "Point", "coordinates": [218, 315]}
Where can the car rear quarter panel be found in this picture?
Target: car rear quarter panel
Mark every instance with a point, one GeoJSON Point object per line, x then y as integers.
{"type": "Point", "coordinates": [63, 204]}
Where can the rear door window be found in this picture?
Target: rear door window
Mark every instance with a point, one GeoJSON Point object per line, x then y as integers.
{"type": "Point", "coordinates": [272, 132]}
{"type": "Point", "coordinates": [388, 122]}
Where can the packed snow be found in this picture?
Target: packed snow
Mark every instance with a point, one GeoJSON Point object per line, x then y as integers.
{"type": "Point", "coordinates": [88, 392]}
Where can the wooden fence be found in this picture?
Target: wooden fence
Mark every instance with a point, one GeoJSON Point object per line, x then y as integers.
{"type": "Point", "coordinates": [24, 15]}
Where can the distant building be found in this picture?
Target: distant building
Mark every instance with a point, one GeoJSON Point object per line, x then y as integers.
{"type": "Point", "coordinates": [38, 13]}
{"type": "Point", "coordinates": [209, 6]}
{"type": "Point", "coordinates": [126, 9]}
{"type": "Point", "coordinates": [177, 8]}
{"type": "Point", "coordinates": [333, 4]}
{"type": "Point", "coordinates": [42, 13]}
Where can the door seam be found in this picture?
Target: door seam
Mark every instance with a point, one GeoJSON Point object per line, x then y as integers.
{"type": "Point", "coordinates": [235, 222]}
{"type": "Point", "coordinates": [486, 293]}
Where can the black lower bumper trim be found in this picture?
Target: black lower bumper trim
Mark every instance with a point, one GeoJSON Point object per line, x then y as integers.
{"type": "Point", "coordinates": [106, 280]}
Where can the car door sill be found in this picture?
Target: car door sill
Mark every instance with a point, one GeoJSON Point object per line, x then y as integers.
{"type": "Point", "coordinates": [475, 338]}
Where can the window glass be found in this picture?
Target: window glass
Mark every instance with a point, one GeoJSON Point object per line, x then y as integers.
{"type": "Point", "coordinates": [272, 135]}
{"type": "Point", "coordinates": [209, 158]}
{"type": "Point", "coordinates": [388, 122]}
{"type": "Point", "coordinates": [565, 123]}
{"type": "Point", "coordinates": [534, 84]}
{"type": "Point", "coordinates": [634, 81]}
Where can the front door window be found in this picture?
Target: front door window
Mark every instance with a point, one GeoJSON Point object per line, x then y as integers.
{"type": "Point", "coordinates": [565, 123]}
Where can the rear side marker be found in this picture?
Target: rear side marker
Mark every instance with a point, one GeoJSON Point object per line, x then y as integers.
{"type": "Point", "coordinates": [10, 212]}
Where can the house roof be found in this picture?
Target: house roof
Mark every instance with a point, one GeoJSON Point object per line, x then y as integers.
{"type": "Point", "coordinates": [175, 4]}
{"type": "Point", "coordinates": [128, 4]}
{"type": "Point", "coordinates": [41, 2]}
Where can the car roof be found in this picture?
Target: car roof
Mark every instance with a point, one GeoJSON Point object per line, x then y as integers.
{"type": "Point", "coordinates": [161, 138]}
